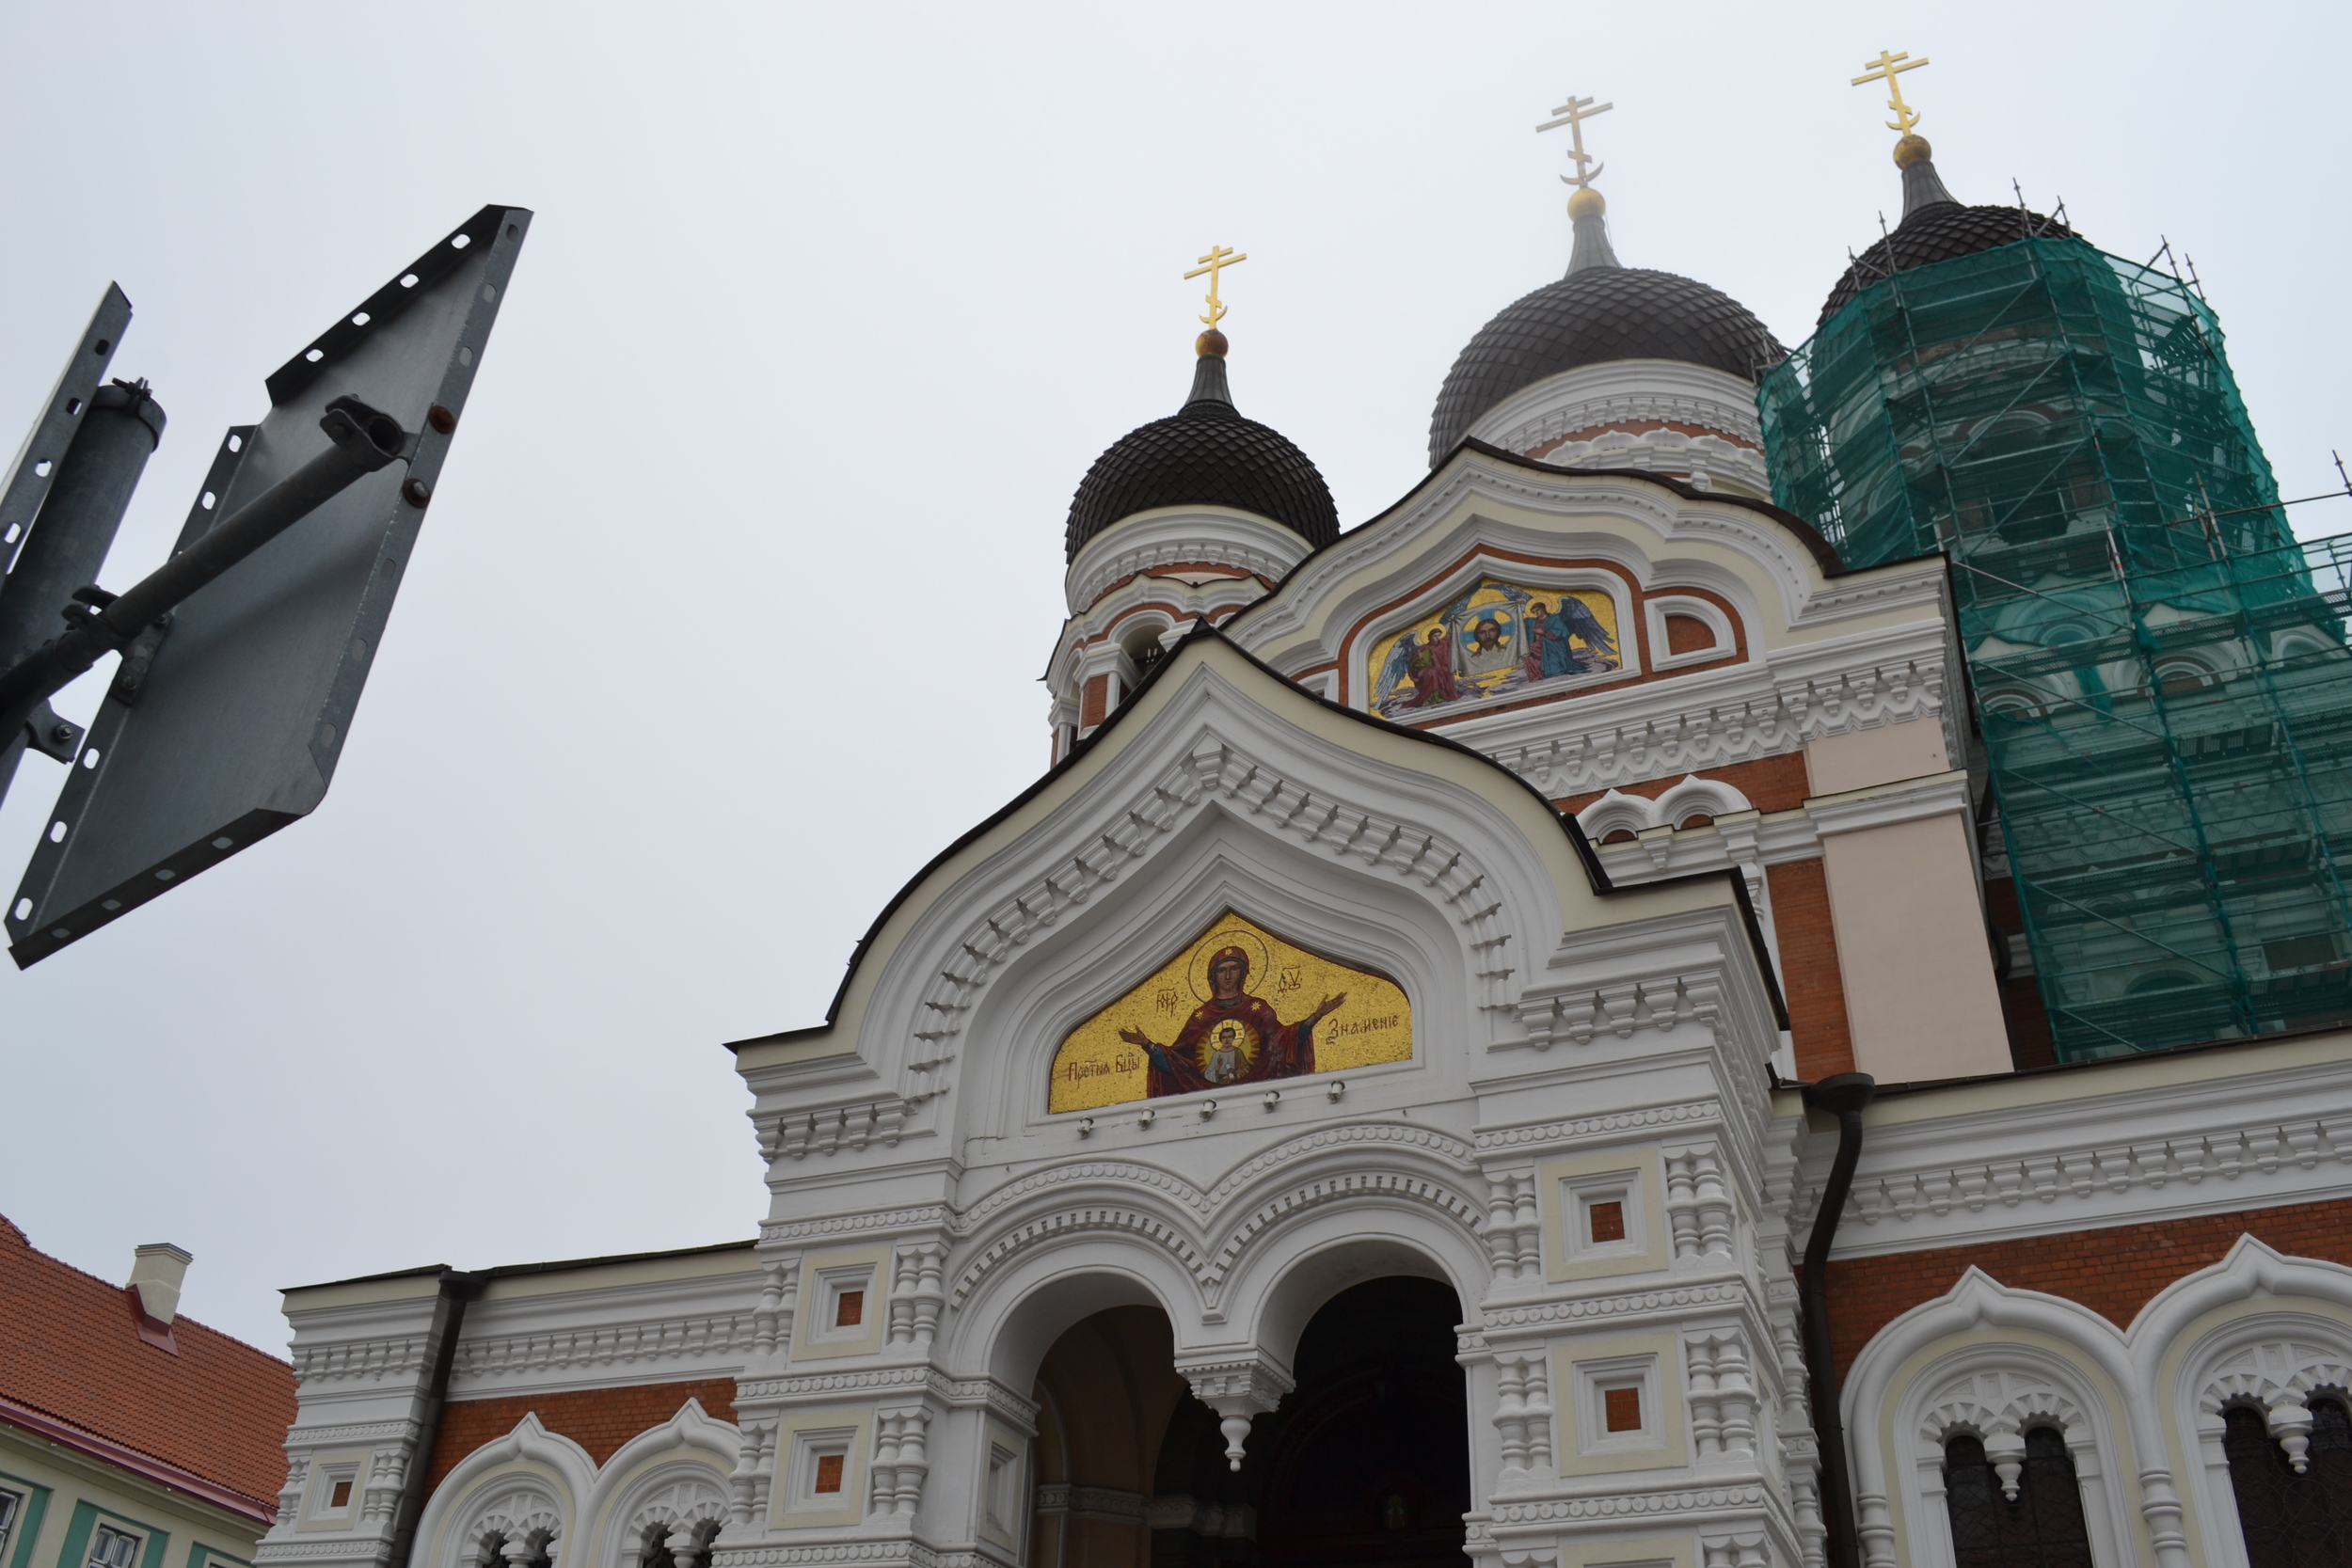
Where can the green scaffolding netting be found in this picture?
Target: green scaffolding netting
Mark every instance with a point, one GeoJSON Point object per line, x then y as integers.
{"type": "Point", "coordinates": [2162, 677]}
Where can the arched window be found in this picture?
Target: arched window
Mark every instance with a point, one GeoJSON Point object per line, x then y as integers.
{"type": "Point", "coordinates": [2182, 677]}
{"type": "Point", "coordinates": [2291, 1520]}
{"type": "Point", "coordinates": [2033, 1521]}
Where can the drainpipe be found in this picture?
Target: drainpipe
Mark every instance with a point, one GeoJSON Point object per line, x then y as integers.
{"type": "Point", "coordinates": [449, 1317]}
{"type": "Point", "coordinates": [1843, 1096]}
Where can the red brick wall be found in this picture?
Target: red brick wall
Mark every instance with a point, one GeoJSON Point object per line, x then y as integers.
{"type": "Point", "coordinates": [1814, 989]}
{"type": "Point", "coordinates": [1687, 634]}
{"type": "Point", "coordinates": [598, 1420]}
{"type": "Point", "coordinates": [1094, 700]}
{"type": "Point", "coordinates": [1770, 783]}
{"type": "Point", "coordinates": [2115, 1271]}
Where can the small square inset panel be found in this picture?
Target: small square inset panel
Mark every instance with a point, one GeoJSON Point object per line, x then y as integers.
{"type": "Point", "coordinates": [820, 1472]}
{"type": "Point", "coordinates": [845, 1303]}
{"type": "Point", "coordinates": [1604, 1215]}
{"type": "Point", "coordinates": [1614, 1402]}
{"type": "Point", "coordinates": [844, 1296]}
{"type": "Point", "coordinates": [337, 1481]}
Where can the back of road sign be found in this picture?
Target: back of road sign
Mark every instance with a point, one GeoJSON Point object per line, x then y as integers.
{"type": "Point", "coordinates": [229, 729]}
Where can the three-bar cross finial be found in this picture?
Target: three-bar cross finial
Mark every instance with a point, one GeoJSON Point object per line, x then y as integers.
{"type": "Point", "coordinates": [1573, 114]}
{"type": "Point", "coordinates": [1886, 69]}
{"type": "Point", "coordinates": [1220, 257]}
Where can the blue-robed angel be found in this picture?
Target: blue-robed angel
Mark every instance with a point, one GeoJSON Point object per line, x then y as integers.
{"type": "Point", "coordinates": [1550, 652]}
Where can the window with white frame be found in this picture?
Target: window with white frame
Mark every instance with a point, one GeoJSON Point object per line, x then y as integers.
{"type": "Point", "coordinates": [12, 1503]}
{"type": "Point", "coordinates": [110, 1547]}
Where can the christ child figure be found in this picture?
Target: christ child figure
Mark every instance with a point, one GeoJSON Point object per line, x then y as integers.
{"type": "Point", "coordinates": [1232, 1038]}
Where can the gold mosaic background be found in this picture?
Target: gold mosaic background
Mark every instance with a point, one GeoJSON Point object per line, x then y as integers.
{"type": "Point", "coordinates": [1095, 1067]}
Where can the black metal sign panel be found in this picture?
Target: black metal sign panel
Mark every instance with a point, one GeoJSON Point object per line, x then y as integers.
{"type": "Point", "coordinates": [227, 727]}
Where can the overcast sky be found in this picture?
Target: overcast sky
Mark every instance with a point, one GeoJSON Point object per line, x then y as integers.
{"type": "Point", "coordinates": [731, 606]}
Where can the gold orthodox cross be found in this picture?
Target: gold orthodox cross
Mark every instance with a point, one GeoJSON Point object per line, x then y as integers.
{"type": "Point", "coordinates": [1219, 257]}
{"type": "Point", "coordinates": [1886, 69]}
{"type": "Point", "coordinates": [1573, 114]}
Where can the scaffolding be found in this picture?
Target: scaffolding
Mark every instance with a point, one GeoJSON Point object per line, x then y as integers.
{"type": "Point", "coordinates": [2162, 673]}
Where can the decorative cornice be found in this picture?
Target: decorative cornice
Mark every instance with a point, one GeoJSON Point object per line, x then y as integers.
{"type": "Point", "coordinates": [919, 1377]}
{"type": "Point", "coordinates": [1704, 1111]}
{"type": "Point", "coordinates": [903, 1551]}
{"type": "Point", "coordinates": [1667, 1300]}
{"type": "Point", "coordinates": [398, 1356]}
{"type": "Point", "coordinates": [2205, 1146]}
{"type": "Point", "coordinates": [1635, 1505]}
{"type": "Point", "coordinates": [352, 1432]}
{"type": "Point", "coordinates": [1710, 720]}
{"type": "Point", "coordinates": [339, 1549]}
{"type": "Point", "coordinates": [783, 1232]}
{"type": "Point", "coordinates": [722, 1335]}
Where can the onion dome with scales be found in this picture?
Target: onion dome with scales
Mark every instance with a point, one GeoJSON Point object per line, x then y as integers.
{"type": "Point", "coordinates": [1204, 454]}
{"type": "Point", "coordinates": [1613, 366]}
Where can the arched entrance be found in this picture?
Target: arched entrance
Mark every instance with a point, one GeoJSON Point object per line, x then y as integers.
{"type": "Point", "coordinates": [1105, 1392]}
{"type": "Point", "coordinates": [1366, 1463]}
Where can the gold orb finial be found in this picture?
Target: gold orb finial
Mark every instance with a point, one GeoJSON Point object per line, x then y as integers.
{"type": "Point", "coordinates": [1586, 203]}
{"type": "Point", "coordinates": [1210, 344]}
{"type": "Point", "coordinates": [1912, 149]}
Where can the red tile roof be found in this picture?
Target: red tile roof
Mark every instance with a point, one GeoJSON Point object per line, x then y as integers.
{"type": "Point", "coordinates": [215, 1414]}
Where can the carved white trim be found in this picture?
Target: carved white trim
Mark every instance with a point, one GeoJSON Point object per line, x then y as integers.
{"type": "Point", "coordinates": [1214, 770]}
{"type": "Point", "coordinates": [1689, 606]}
{"type": "Point", "coordinates": [524, 1488]}
{"type": "Point", "coordinates": [677, 1476]}
{"type": "Point", "coordinates": [1166, 536]}
{"type": "Point", "coordinates": [2271, 1330]}
{"type": "Point", "coordinates": [1623, 392]}
{"type": "Point", "coordinates": [2201, 1144]}
{"type": "Point", "coordinates": [1662, 728]}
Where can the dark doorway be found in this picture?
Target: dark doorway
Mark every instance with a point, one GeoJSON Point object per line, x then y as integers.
{"type": "Point", "coordinates": [1366, 1465]}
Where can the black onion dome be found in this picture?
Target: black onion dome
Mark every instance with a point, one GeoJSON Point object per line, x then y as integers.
{"type": "Point", "coordinates": [1597, 313]}
{"type": "Point", "coordinates": [1205, 454]}
{"type": "Point", "coordinates": [1941, 232]}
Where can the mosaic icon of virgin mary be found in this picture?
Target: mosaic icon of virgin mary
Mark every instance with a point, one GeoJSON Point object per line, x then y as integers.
{"type": "Point", "coordinates": [1232, 1038]}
